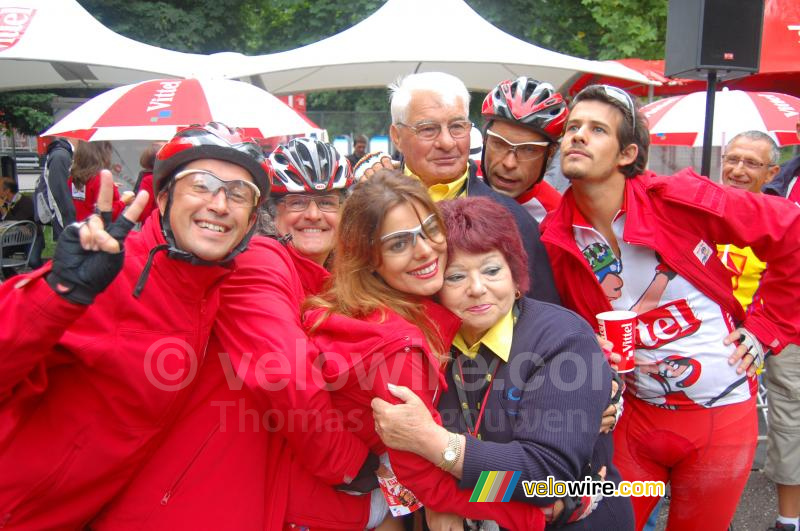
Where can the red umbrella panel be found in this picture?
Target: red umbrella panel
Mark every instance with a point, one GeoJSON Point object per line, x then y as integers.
{"type": "Point", "coordinates": [679, 120]}
{"type": "Point", "coordinates": [156, 109]}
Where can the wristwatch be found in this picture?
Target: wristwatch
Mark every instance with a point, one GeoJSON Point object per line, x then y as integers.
{"type": "Point", "coordinates": [451, 453]}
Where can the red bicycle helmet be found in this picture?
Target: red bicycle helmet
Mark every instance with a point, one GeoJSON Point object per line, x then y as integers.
{"type": "Point", "coordinates": [530, 103]}
{"type": "Point", "coordinates": [211, 141]}
{"type": "Point", "coordinates": [305, 165]}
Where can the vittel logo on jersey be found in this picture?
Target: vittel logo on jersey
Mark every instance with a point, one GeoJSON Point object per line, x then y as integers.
{"type": "Point", "coordinates": [162, 99]}
{"type": "Point", "coordinates": [13, 23]}
{"type": "Point", "coordinates": [666, 324]}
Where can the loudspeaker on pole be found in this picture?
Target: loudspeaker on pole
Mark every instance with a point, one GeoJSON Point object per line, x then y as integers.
{"type": "Point", "coordinates": [719, 35]}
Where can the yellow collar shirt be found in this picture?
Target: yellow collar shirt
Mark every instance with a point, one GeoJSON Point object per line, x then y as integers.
{"type": "Point", "coordinates": [497, 339]}
{"type": "Point", "coordinates": [442, 191]}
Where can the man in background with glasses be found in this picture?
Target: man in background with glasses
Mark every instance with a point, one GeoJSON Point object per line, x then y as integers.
{"type": "Point", "coordinates": [431, 128]}
{"type": "Point", "coordinates": [525, 119]}
{"type": "Point", "coordinates": [750, 161]}
{"type": "Point", "coordinates": [690, 406]}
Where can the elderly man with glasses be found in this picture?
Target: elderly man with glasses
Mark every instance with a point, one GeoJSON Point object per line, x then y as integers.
{"type": "Point", "coordinates": [690, 406]}
{"type": "Point", "coordinates": [431, 128]}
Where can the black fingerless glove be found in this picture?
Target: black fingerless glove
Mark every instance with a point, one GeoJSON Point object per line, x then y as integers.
{"type": "Point", "coordinates": [366, 480]}
{"type": "Point", "coordinates": [79, 275]}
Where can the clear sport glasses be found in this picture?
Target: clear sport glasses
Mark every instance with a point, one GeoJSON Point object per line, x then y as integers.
{"type": "Point", "coordinates": [522, 150]}
{"type": "Point", "coordinates": [750, 164]}
{"type": "Point", "coordinates": [205, 184]}
{"type": "Point", "coordinates": [432, 130]}
{"type": "Point", "coordinates": [403, 242]}
{"type": "Point", "coordinates": [299, 202]}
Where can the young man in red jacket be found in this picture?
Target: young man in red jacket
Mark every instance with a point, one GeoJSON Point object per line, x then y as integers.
{"type": "Point", "coordinates": [626, 239]}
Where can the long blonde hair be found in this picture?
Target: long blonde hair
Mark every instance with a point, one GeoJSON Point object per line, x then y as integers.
{"type": "Point", "coordinates": [354, 289]}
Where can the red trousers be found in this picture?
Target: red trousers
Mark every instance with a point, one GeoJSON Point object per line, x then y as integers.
{"type": "Point", "coordinates": [705, 455]}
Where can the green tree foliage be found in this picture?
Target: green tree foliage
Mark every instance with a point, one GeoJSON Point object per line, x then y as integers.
{"type": "Point", "coordinates": [565, 26]}
{"type": "Point", "coordinates": [245, 26]}
{"type": "Point", "coordinates": [593, 29]}
{"type": "Point", "coordinates": [200, 26]}
{"type": "Point", "coordinates": [25, 112]}
{"type": "Point", "coordinates": [631, 28]}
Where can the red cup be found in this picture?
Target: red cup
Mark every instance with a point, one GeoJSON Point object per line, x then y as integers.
{"type": "Point", "coordinates": [619, 327]}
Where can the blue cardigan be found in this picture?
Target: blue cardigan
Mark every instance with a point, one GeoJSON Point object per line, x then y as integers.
{"type": "Point", "coordinates": [542, 416]}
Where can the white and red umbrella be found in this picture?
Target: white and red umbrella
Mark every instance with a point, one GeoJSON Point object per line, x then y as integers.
{"type": "Point", "coordinates": [680, 120]}
{"type": "Point", "coordinates": [156, 109]}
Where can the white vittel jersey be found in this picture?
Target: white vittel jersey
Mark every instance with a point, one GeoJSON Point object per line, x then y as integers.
{"type": "Point", "coordinates": [681, 362]}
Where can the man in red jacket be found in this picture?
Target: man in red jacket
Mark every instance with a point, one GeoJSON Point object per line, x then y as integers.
{"type": "Point", "coordinates": [524, 119]}
{"type": "Point", "coordinates": [690, 408]}
{"type": "Point", "coordinates": [102, 350]}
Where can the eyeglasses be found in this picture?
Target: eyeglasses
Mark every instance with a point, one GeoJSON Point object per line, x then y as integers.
{"type": "Point", "coordinates": [431, 130]}
{"type": "Point", "coordinates": [205, 184]}
{"type": "Point", "coordinates": [750, 164]}
{"type": "Point", "coordinates": [299, 203]}
{"type": "Point", "coordinates": [625, 99]}
{"type": "Point", "coordinates": [403, 242]}
{"type": "Point", "coordinates": [521, 150]}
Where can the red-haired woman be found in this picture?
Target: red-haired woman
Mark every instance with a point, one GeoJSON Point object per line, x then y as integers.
{"type": "Point", "coordinates": [528, 381]}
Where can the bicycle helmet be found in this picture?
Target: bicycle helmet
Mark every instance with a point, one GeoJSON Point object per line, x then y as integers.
{"type": "Point", "coordinates": [530, 103]}
{"type": "Point", "coordinates": [305, 165]}
{"type": "Point", "coordinates": [211, 141]}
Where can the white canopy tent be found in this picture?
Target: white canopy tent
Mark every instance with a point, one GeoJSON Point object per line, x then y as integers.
{"type": "Point", "coordinates": [57, 43]}
{"type": "Point", "coordinates": [406, 36]}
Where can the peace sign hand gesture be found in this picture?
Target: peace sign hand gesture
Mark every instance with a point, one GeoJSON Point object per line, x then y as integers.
{"type": "Point", "coordinates": [88, 257]}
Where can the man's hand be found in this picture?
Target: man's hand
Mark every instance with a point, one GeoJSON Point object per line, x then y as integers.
{"type": "Point", "coordinates": [88, 257]}
{"type": "Point", "coordinates": [372, 162]}
{"type": "Point", "coordinates": [443, 521]}
{"type": "Point", "coordinates": [403, 426]}
{"type": "Point", "coordinates": [613, 412]}
{"type": "Point", "coordinates": [749, 352]}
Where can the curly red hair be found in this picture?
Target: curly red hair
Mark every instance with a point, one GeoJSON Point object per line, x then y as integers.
{"type": "Point", "coordinates": [478, 225]}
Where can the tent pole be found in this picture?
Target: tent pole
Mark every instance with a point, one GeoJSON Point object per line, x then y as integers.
{"type": "Point", "coordinates": [705, 168]}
